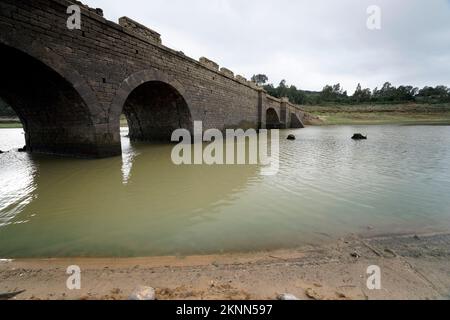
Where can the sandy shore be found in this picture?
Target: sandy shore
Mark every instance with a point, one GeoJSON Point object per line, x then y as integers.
{"type": "Point", "coordinates": [413, 267]}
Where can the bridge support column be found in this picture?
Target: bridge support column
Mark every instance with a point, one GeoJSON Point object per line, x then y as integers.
{"type": "Point", "coordinates": [73, 140]}
{"type": "Point", "coordinates": [261, 122]}
{"type": "Point", "coordinates": [284, 114]}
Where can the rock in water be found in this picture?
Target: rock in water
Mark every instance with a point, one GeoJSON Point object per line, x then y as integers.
{"type": "Point", "coordinates": [142, 293]}
{"type": "Point", "coordinates": [24, 149]}
{"type": "Point", "coordinates": [1, 151]}
{"type": "Point", "coordinates": [287, 297]}
{"type": "Point", "coordinates": [359, 136]}
{"type": "Point", "coordinates": [291, 137]}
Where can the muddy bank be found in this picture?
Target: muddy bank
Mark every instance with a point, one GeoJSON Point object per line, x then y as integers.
{"type": "Point", "coordinates": [412, 267]}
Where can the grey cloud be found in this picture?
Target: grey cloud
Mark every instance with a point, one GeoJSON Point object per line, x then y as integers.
{"type": "Point", "coordinates": [309, 44]}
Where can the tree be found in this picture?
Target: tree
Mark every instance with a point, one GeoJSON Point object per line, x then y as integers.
{"type": "Point", "coordinates": [433, 95]}
{"type": "Point", "coordinates": [283, 89]}
{"type": "Point", "coordinates": [333, 93]}
{"type": "Point", "coordinates": [362, 95]}
{"type": "Point", "coordinates": [260, 79]}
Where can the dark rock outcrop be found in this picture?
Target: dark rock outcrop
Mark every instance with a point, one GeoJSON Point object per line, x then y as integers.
{"type": "Point", "coordinates": [359, 136]}
{"type": "Point", "coordinates": [291, 137]}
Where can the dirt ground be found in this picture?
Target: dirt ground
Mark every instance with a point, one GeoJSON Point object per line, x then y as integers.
{"type": "Point", "coordinates": [412, 267]}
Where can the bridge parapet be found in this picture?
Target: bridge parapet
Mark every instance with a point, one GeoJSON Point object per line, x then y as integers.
{"type": "Point", "coordinates": [241, 79]}
{"type": "Point", "coordinates": [140, 29]}
{"type": "Point", "coordinates": [227, 72]}
{"type": "Point", "coordinates": [97, 11]}
{"type": "Point", "coordinates": [209, 63]}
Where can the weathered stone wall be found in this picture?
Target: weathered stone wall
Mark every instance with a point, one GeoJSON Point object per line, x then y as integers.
{"type": "Point", "coordinates": [105, 62]}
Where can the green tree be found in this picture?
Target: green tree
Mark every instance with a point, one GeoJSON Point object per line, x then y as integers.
{"type": "Point", "coordinates": [362, 95]}
{"type": "Point", "coordinates": [260, 79]}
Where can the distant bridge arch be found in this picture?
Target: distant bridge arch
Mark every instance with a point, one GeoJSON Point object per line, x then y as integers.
{"type": "Point", "coordinates": [296, 123]}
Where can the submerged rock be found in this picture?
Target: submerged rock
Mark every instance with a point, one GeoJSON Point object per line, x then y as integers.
{"type": "Point", "coordinates": [142, 293]}
{"type": "Point", "coordinates": [1, 151]}
{"type": "Point", "coordinates": [291, 137]}
{"type": "Point", "coordinates": [359, 136]}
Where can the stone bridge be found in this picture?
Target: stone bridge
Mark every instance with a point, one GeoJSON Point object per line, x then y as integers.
{"type": "Point", "coordinates": [70, 87]}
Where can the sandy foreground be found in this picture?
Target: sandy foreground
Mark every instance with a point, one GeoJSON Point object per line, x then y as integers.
{"type": "Point", "coordinates": [412, 267]}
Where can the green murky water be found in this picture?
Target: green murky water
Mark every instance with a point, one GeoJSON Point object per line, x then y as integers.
{"type": "Point", "coordinates": [141, 204]}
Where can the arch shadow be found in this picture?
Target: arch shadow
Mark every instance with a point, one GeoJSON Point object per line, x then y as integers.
{"type": "Point", "coordinates": [296, 123]}
{"type": "Point", "coordinates": [154, 104]}
{"type": "Point", "coordinates": [272, 119]}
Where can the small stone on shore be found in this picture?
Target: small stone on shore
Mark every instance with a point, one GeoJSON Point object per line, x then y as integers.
{"type": "Point", "coordinates": [142, 293]}
{"type": "Point", "coordinates": [287, 297]}
{"type": "Point", "coordinates": [310, 293]}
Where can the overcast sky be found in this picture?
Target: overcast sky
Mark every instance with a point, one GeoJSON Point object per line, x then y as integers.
{"type": "Point", "coordinates": [308, 43]}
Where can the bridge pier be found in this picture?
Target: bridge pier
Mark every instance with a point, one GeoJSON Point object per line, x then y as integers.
{"type": "Point", "coordinates": [284, 115]}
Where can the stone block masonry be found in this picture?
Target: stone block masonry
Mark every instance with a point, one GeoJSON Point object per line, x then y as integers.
{"type": "Point", "coordinates": [105, 69]}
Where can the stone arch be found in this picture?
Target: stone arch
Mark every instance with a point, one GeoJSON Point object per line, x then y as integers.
{"type": "Point", "coordinates": [296, 123]}
{"type": "Point", "coordinates": [272, 119]}
{"type": "Point", "coordinates": [54, 104]}
{"type": "Point", "coordinates": [155, 105]}
{"type": "Point", "coordinates": [35, 49]}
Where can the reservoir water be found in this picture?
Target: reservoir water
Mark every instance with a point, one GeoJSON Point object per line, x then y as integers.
{"type": "Point", "coordinates": [141, 204]}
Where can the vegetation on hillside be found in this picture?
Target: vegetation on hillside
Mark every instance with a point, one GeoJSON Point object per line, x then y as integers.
{"type": "Point", "coordinates": [400, 113]}
{"type": "Point", "coordinates": [336, 95]}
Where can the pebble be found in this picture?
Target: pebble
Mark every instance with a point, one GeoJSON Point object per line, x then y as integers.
{"type": "Point", "coordinates": [287, 297]}
{"type": "Point", "coordinates": [142, 293]}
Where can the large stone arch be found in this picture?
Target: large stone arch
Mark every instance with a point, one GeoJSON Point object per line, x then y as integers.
{"type": "Point", "coordinates": [54, 103]}
{"type": "Point", "coordinates": [37, 50]}
{"type": "Point", "coordinates": [155, 104]}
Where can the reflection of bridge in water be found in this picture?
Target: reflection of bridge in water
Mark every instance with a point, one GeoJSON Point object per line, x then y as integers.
{"type": "Point", "coordinates": [69, 87]}
{"type": "Point", "coordinates": [68, 204]}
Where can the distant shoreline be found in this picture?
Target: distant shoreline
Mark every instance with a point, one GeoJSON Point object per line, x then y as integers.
{"type": "Point", "coordinates": [10, 123]}
{"type": "Point", "coordinates": [370, 114]}
{"type": "Point", "coordinates": [362, 114]}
